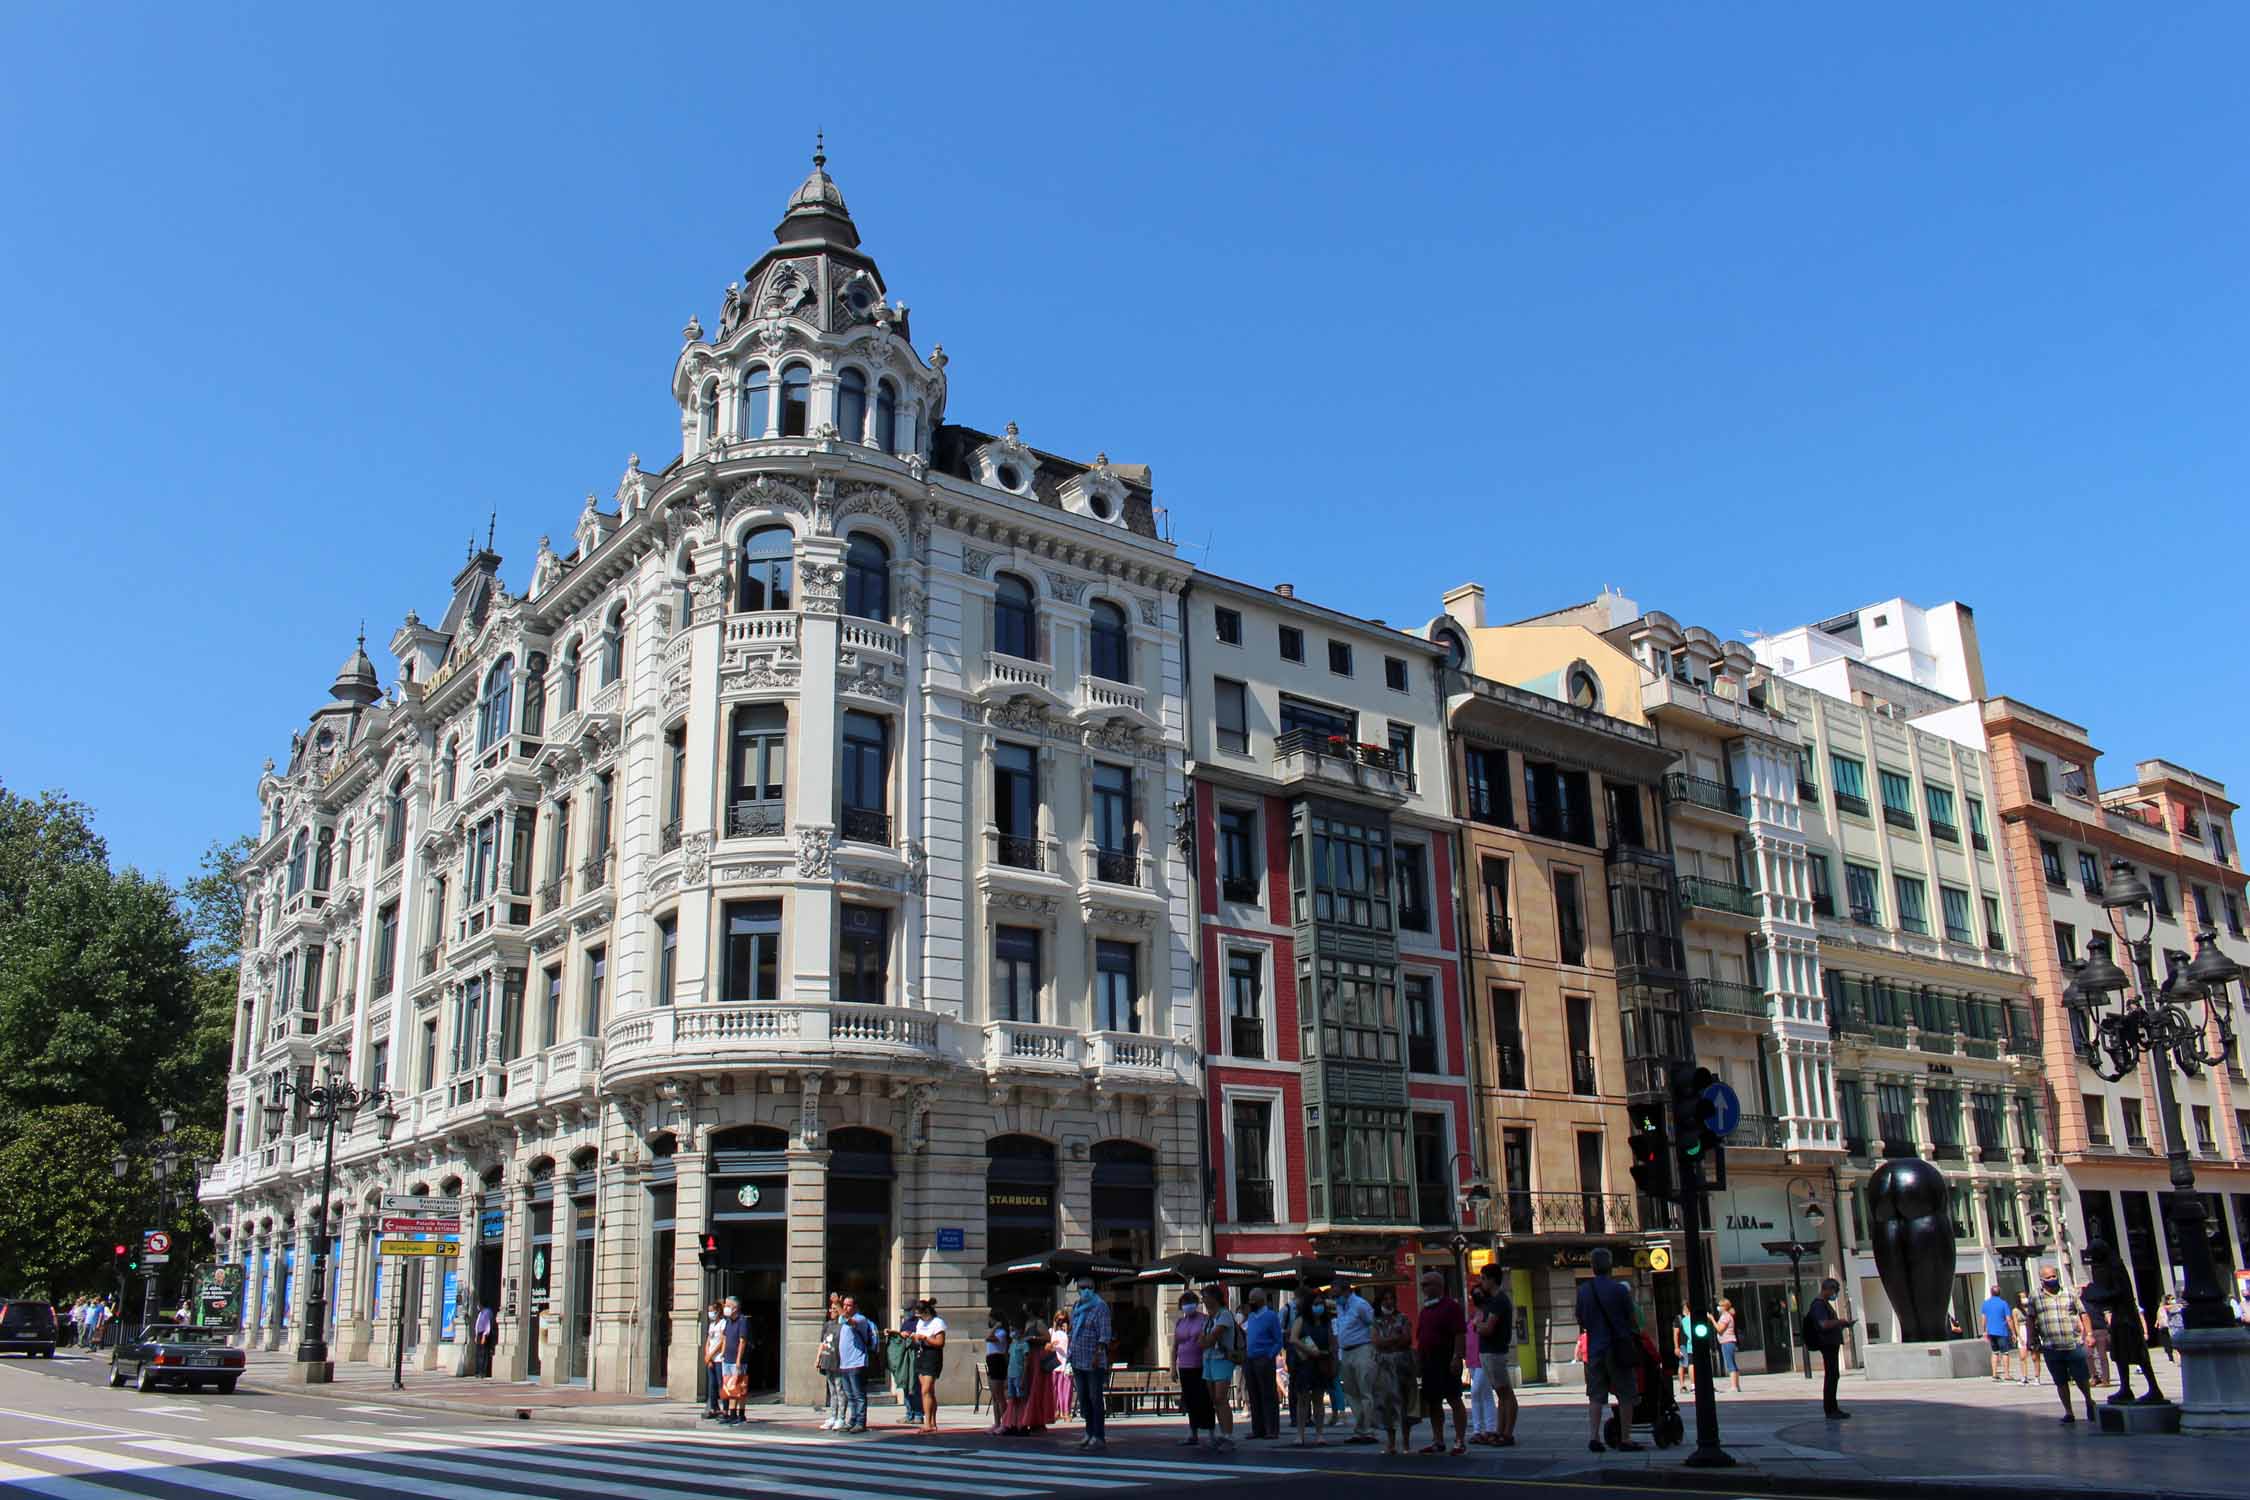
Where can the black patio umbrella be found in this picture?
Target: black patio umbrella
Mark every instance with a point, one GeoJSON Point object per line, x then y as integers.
{"type": "Point", "coordinates": [1310, 1270]}
{"type": "Point", "coordinates": [1200, 1270]}
{"type": "Point", "coordinates": [1063, 1265]}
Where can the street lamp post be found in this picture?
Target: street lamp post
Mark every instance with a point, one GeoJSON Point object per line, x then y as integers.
{"type": "Point", "coordinates": [2158, 1023]}
{"type": "Point", "coordinates": [328, 1103]}
{"type": "Point", "coordinates": [169, 1167]}
{"type": "Point", "coordinates": [1797, 1249]}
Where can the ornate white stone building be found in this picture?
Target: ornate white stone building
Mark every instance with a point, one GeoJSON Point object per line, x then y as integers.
{"type": "Point", "coordinates": [778, 893]}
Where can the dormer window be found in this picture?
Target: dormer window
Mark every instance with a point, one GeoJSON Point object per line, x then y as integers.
{"type": "Point", "coordinates": [796, 400]}
{"type": "Point", "coordinates": [757, 401]}
{"type": "Point", "coordinates": [851, 405]}
{"type": "Point", "coordinates": [886, 415]}
{"type": "Point", "coordinates": [1009, 476]}
{"type": "Point", "coordinates": [768, 555]}
{"type": "Point", "coordinates": [1585, 689]}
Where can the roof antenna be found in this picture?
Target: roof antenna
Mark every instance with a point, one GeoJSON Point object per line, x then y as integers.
{"type": "Point", "coordinates": [491, 525]}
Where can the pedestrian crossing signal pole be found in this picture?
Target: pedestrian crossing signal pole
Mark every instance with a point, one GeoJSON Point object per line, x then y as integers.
{"type": "Point", "coordinates": [1696, 1142]}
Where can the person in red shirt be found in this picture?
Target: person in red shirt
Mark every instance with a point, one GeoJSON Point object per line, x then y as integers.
{"type": "Point", "coordinates": [1440, 1340]}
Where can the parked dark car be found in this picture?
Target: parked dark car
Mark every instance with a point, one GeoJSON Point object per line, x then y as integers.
{"type": "Point", "coordinates": [165, 1354]}
{"type": "Point", "coordinates": [28, 1328]}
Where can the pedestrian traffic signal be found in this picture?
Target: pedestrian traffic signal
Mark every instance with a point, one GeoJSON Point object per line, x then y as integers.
{"type": "Point", "coordinates": [707, 1251]}
{"type": "Point", "coordinates": [1652, 1156]}
{"type": "Point", "coordinates": [1693, 1112]}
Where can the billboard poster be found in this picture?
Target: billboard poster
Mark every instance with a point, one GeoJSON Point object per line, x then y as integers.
{"type": "Point", "coordinates": [218, 1297]}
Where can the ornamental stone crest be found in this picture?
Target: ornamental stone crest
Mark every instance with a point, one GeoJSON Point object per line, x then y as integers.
{"type": "Point", "coordinates": [974, 560]}
{"type": "Point", "coordinates": [821, 587]}
{"type": "Point", "coordinates": [862, 678]}
{"type": "Point", "coordinates": [741, 672]}
{"type": "Point", "coordinates": [816, 853]}
{"type": "Point", "coordinates": [695, 858]}
{"type": "Point", "coordinates": [1068, 589]}
{"type": "Point", "coordinates": [917, 866]}
{"type": "Point", "coordinates": [1152, 613]}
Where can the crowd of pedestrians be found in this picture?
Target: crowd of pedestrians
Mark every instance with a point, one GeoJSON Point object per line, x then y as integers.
{"type": "Point", "coordinates": [85, 1322]}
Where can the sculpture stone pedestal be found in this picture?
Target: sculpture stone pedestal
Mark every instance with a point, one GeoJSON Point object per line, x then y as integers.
{"type": "Point", "coordinates": [2142, 1418]}
{"type": "Point", "coordinates": [1947, 1359]}
{"type": "Point", "coordinates": [2214, 1379]}
{"type": "Point", "coordinates": [312, 1372]}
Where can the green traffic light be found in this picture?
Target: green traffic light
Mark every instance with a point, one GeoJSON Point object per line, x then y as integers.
{"type": "Point", "coordinates": [1702, 1330]}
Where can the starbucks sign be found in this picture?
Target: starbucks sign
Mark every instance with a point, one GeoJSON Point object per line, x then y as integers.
{"type": "Point", "coordinates": [747, 1195]}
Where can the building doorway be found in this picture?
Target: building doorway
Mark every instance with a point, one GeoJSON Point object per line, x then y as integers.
{"type": "Point", "coordinates": [1124, 1220]}
{"type": "Point", "coordinates": [860, 1173]}
{"type": "Point", "coordinates": [749, 1217]}
{"type": "Point", "coordinates": [1019, 1218]}
{"type": "Point", "coordinates": [539, 1285]}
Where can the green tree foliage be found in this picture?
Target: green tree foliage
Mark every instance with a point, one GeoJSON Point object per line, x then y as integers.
{"type": "Point", "coordinates": [214, 908]}
{"type": "Point", "coordinates": [61, 1205]}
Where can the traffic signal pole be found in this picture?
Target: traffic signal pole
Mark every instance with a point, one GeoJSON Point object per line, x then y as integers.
{"type": "Point", "coordinates": [1695, 1142]}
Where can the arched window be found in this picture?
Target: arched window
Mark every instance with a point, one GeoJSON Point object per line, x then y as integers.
{"type": "Point", "coordinates": [687, 594]}
{"type": "Point", "coordinates": [1113, 645]}
{"type": "Point", "coordinates": [394, 822]}
{"type": "Point", "coordinates": [768, 556]}
{"type": "Point", "coordinates": [867, 578]}
{"type": "Point", "coordinates": [570, 679]}
{"type": "Point", "coordinates": [497, 710]}
{"type": "Point", "coordinates": [796, 400]}
{"type": "Point", "coordinates": [298, 848]}
{"type": "Point", "coordinates": [851, 406]}
{"type": "Point", "coordinates": [707, 412]}
{"type": "Point", "coordinates": [535, 697]}
{"type": "Point", "coordinates": [886, 416]}
{"type": "Point", "coordinates": [324, 859]}
{"type": "Point", "coordinates": [757, 401]}
{"type": "Point", "coordinates": [344, 853]}
{"type": "Point", "coordinates": [448, 770]}
{"type": "Point", "coordinates": [1015, 618]}
{"type": "Point", "coordinates": [613, 646]}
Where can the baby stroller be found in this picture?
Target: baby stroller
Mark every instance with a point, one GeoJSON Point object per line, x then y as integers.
{"type": "Point", "coordinates": [1657, 1408]}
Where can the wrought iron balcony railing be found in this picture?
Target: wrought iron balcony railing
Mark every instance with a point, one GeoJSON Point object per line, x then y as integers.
{"type": "Point", "coordinates": [865, 825]}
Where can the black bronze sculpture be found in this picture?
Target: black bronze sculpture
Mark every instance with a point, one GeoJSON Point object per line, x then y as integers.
{"type": "Point", "coordinates": [2109, 1293]}
{"type": "Point", "coordinates": [1913, 1233]}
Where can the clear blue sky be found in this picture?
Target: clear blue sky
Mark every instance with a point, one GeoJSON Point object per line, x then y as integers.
{"type": "Point", "coordinates": [1757, 313]}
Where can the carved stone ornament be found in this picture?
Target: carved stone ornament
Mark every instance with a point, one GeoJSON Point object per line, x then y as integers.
{"type": "Point", "coordinates": [742, 672]}
{"type": "Point", "coordinates": [547, 942]}
{"type": "Point", "coordinates": [1121, 739]}
{"type": "Point", "coordinates": [821, 587]}
{"type": "Point", "coordinates": [663, 882]}
{"type": "Point", "coordinates": [1038, 906]}
{"type": "Point", "coordinates": [1021, 716]}
{"type": "Point", "coordinates": [917, 866]}
{"type": "Point", "coordinates": [914, 604]}
{"type": "Point", "coordinates": [918, 1105]}
{"type": "Point", "coordinates": [695, 857]}
{"type": "Point", "coordinates": [1068, 589]}
{"type": "Point", "coordinates": [1113, 916]}
{"type": "Point", "coordinates": [862, 678]}
{"type": "Point", "coordinates": [768, 493]}
{"type": "Point", "coordinates": [974, 560]}
{"type": "Point", "coordinates": [874, 500]}
{"type": "Point", "coordinates": [1152, 613]}
{"type": "Point", "coordinates": [816, 853]}
{"type": "Point", "coordinates": [789, 288]}
{"type": "Point", "coordinates": [874, 879]}
{"type": "Point", "coordinates": [590, 922]}
{"type": "Point", "coordinates": [808, 1111]}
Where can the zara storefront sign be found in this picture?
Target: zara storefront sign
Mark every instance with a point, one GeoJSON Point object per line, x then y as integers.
{"type": "Point", "coordinates": [1747, 1216]}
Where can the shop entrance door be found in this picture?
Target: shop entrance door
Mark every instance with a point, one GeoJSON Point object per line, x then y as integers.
{"type": "Point", "coordinates": [751, 1260]}
{"type": "Point", "coordinates": [1779, 1325]}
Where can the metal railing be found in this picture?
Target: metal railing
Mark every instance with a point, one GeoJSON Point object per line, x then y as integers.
{"type": "Point", "coordinates": [1335, 747]}
{"type": "Point", "coordinates": [1898, 817]}
{"type": "Point", "coordinates": [1117, 866]}
{"type": "Point", "coordinates": [865, 825]}
{"type": "Point", "coordinates": [1499, 934]}
{"type": "Point", "coordinates": [1582, 1073]}
{"type": "Point", "coordinates": [1020, 853]}
{"type": "Point", "coordinates": [1847, 802]}
{"type": "Point", "coordinates": [1729, 997]}
{"type": "Point", "coordinates": [1945, 831]}
{"type": "Point", "coordinates": [595, 869]}
{"type": "Point", "coordinates": [1524, 1212]}
{"type": "Point", "coordinates": [1702, 791]}
{"type": "Point", "coordinates": [762, 818]}
{"type": "Point", "coordinates": [1759, 1131]}
{"type": "Point", "coordinates": [1510, 1070]}
{"type": "Point", "coordinates": [1718, 895]}
{"type": "Point", "coordinates": [1247, 1036]}
{"type": "Point", "coordinates": [1253, 1201]}
{"type": "Point", "coordinates": [668, 837]}
{"type": "Point", "coordinates": [1239, 888]}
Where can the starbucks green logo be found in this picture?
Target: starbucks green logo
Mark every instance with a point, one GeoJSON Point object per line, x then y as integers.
{"type": "Point", "coordinates": [747, 1195]}
{"type": "Point", "coordinates": [538, 1264]}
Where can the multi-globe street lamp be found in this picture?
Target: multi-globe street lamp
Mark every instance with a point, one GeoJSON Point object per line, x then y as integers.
{"type": "Point", "coordinates": [330, 1102]}
{"type": "Point", "coordinates": [175, 1175]}
{"type": "Point", "coordinates": [2160, 1024]}
{"type": "Point", "coordinates": [1797, 1249]}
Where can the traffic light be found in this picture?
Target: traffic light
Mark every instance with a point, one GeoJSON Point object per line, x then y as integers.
{"type": "Point", "coordinates": [707, 1251]}
{"type": "Point", "coordinates": [1651, 1150]}
{"type": "Point", "coordinates": [1693, 1112]}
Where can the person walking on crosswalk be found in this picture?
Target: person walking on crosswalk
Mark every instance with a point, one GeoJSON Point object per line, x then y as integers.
{"type": "Point", "coordinates": [1090, 1339]}
{"type": "Point", "coordinates": [856, 1344]}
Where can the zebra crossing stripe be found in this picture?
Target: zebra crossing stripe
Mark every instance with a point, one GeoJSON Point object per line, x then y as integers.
{"type": "Point", "coordinates": [95, 1458]}
{"type": "Point", "coordinates": [721, 1458]}
{"type": "Point", "coordinates": [366, 1473]}
{"type": "Point", "coordinates": [633, 1469]}
{"type": "Point", "coordinates": [983, 1458]}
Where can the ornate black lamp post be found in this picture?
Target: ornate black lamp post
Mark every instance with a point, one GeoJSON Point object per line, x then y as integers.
{"type": "Point", "coordinates": [175, 1176]}
{"type": "Point", "coordinates": [329, 1103]}
{"type": "Point", "coordinates": [1797, 1249]}
{"type": "Point", "coordinates": [2161, 1025]}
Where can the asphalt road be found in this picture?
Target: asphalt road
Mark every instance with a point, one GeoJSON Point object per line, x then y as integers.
{"type": "Point", "coordinates": [65, 1435]}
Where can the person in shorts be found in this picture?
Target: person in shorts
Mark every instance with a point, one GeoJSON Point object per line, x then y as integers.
{"type": "Point", "coordinates": [1496, 1352]}
{"type": "Point", "coordinates": [1440, 1335]}
{"type": "Point", "coordinates": [1612, 1322]}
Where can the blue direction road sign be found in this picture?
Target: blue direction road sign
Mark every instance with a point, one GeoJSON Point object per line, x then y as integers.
{"type": "Point", "coordinates": [1727, 1108]}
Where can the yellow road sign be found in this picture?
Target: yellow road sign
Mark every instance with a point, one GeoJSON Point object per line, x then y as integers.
{"type": "Point", "coordinates": [417, 1247]}
{"type": "Point", "coordinates": [1660, 1258]}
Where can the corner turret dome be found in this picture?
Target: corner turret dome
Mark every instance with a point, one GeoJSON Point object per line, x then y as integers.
{"type": "Point", "coordinates": [355, 679]}
{"type": "Point", "coordinates": [816, 210]}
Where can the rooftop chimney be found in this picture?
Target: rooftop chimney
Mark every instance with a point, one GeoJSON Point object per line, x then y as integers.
{"type": "Point", "coordinates": [1286, 590]}
{"type": "Point", "coordinates": [1466, 604]}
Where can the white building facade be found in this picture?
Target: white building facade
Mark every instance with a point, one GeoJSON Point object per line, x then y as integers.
{"type": "Point", "coordinates": [778, 895]}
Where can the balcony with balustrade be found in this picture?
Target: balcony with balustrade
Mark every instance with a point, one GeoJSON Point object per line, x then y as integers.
{"type": "Point", "coordinates": [761, 818]}
{"type": "Point", "coordinates": [1101, 701]}
{"type": "Point", "coordinates": [658, 1042]}
{"type": "Point", "coordinates": [1726, 997]}
{"type": "Point", "coordinates": [1519, 1212]}
{"type": "Point", "coordinates": [1705, 897]}
{"type": "Point", "coordinates": [1003, 677]}
{"type": "Point", "coordinates": [1705, 800]}
{"type": "Point", "coordinates": [1030, 864]}
{"type": "Point", "coordinates": [864, 825]}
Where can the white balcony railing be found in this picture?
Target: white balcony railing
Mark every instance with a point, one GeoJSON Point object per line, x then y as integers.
{"type": "Point", "coordinates": [769, 628]}
{"type": "Point", "coordinates": [856, 634]}
{"type": "Point", "coordinates": [1098, 696]}
{"type": "Point", "coordinates": [666, 1036]}
{"type": "Point", "coordinates": [1026, 1046]}
{"type": "Point", "coordinates": [1003, 670]}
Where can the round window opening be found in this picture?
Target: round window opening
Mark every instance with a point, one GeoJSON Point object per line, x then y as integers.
{"type": "Point", "coordinates": [859, 299]}
{"type": "Point", "coordinates": [1585, 692]}
{"type": "Point", "coordinates": [1100, 506]}
{"type": "Point", "coordinates": [1011, 478]}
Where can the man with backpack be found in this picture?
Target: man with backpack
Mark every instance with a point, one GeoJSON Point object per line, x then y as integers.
{"type": "Point", "coordinates": [1496, 1351]}
{"type": "Point", "coordinates": [1825, 1331]}
{"type": "Point", "coordinates": [856, 1343]}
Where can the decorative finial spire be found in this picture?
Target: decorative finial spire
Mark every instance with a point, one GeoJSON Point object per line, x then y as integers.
{"type": "Point", "coordinates": [363, 633]}
{"type": "Point", "coordinates": [491, 526]}
{"type": "Point", "coordinates": [819, 149]}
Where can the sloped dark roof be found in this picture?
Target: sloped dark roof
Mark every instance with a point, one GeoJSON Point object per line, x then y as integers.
{"type": "Point", "coordinates": [956, 445]}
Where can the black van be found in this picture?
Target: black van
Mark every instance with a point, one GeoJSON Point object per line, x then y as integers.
{"type": "Point", "coordinates": [28, 1328]}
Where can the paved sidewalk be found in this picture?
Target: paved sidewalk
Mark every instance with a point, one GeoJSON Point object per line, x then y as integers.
{"type": "Point", "coordinates": [1931, 1436]}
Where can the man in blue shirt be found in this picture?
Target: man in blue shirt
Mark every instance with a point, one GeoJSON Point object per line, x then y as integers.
{"type": "Point", "coordinates": [856, 1343]}
{"type": "Point", "coordinates": [1355, 1357]}
{"type": "Point", "coordinates": [1995, 1310]}
{"type": "Point", "coordinates": [1261, 1346]}
{"type": "Point", "coordinates": [1612, 1321]}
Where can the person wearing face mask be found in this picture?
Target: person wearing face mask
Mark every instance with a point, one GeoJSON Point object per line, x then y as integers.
{"type": "Point", "coordinates": [2064, 1335]}
{"type": "Point", "coordinates": [1089, 1361]}
{"type": "Point", "coordinates": [1312, 1365]}
{"type": "Point", "coordinates": [1187, 1359]}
